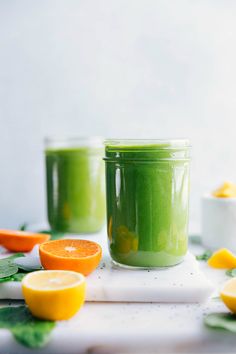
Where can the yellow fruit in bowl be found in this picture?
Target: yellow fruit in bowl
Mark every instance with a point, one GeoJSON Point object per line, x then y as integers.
{"type": "Point", "coordinates": [228, 294]}
{"type": "Point", "coordinates": [54, 294]}
{"type": "Point", "coordinates": [227, 190]}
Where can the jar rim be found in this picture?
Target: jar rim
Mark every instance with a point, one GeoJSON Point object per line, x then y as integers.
{"type": "Point", "coordinates": [82, 141]}
{"type": "Point", "coordinates": [147, 150]}
{"type": "Point", "coordinates": [160, 144]}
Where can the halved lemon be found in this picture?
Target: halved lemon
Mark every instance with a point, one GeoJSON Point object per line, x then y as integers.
{"type": "Point", "coordinates": [228, 294]}
{"type": "Point", "coordinates": [54, 294]}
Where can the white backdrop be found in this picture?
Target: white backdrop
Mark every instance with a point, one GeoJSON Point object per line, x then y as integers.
{"type": "Point", "coordinates": [117, 68]}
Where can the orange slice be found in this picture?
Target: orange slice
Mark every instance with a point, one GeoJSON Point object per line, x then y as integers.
{"type": "Point", "coordinates": [77, 255]}
{"type": "Point", "coordinates": [21, 241]}
{"type": "Point", "coordinates": [222, 259]}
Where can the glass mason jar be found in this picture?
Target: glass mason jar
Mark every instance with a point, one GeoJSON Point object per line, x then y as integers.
{"type": "Point", "coordinates": [75, 184]}
{"type": "Point", "coordinates": [147, 185]}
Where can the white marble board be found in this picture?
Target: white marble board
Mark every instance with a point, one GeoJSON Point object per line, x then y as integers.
{"type": "Point", "coordinates": [182, 283]}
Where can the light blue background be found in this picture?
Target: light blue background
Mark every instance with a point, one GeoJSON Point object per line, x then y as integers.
{"type": "Point", "coordinates": [118, 68]}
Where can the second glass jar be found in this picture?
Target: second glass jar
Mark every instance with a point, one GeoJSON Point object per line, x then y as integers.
{"type": "Point", "coordinates": [75, 184]}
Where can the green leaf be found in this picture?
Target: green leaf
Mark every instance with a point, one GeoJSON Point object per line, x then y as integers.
{"type": "Point", "coordinates": [28, 263]}
{"type": "Point", "coordinates": [55, 235]}
{"type": "Point", "coordinates": [225, 321]}
{"type": "Point", "coordinates": [14, 277]}
{"type": "Point", "coordinates": [195, 239]}
{"type": "Point", "coordinates": [205, 256]}
{"type": "Point", "coordinates": [18, 276]}
{"type": "Point", "coordinates": [10, 258]}
{"type": "Point", "coordinates": [231, 272]}
{"type": "Point", "coordinates": [7, 266]}
{"type": "Point", "coordinates": [23, 227]}
{"type": "Point", "coordinates": [3, 280]}
{"type": "Point", "coordinates": [7, 270]}
{"type": "Point", "coordinates": [27, 330]}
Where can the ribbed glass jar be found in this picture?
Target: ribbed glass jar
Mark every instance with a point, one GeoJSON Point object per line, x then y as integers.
{"type": "Point", "coordinates": [147, 188]}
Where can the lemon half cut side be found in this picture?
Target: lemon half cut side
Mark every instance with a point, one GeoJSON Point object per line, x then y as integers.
{"type": "Point", "coordinates": [228, 295]}
{"type": "Point", "coordinates": [54, 294]}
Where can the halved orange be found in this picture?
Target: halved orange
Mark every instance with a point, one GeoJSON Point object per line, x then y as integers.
{"type": "Point", "coordinates": [21, 241]}
{"type": "Point", "coordinates": [77, 255]}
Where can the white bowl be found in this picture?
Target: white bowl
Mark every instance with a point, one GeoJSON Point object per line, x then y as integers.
{"type": "Point", "coordinates": [219, 222]}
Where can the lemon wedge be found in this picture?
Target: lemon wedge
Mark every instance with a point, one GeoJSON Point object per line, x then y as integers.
{"type": "Point", "coordinates": [222, 259]}
{"type": "Point", "coordinates": [227, 190]}
{"type": "Point", "coordinates": [228, 294]}
{"type": "Point", "coordinates": [54, 294]}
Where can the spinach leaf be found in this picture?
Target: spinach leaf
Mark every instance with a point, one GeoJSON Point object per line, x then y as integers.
{"type": "Point", "coordinates": [225, 321]}
{"type": "Point", "coordinates": [14, 277]}
{"type": "Point", "coordinates": [7, 270]}
{"type": "Point", "coordinates": [8, 267]}
{"type": "Point", "coordinates": [23, 226]}
{"type": "Point", "coordinates": [18, 276]}
{"type": "Point", "coordinates": [26, 329]}
{"type": "Point", "coordinates": [231, 272]}
{"type": "Point", "coordinates": [28, 263]}
{"type": "Point", "coordinates": [10, 258]}
{"type": "Point", "coordinates": [205, 256]}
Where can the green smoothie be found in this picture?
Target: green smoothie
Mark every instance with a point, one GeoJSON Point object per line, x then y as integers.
{"type": "Point", "coordinates": [147, 202]}
{"type": "Point", "coordinates": [75, 189]}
